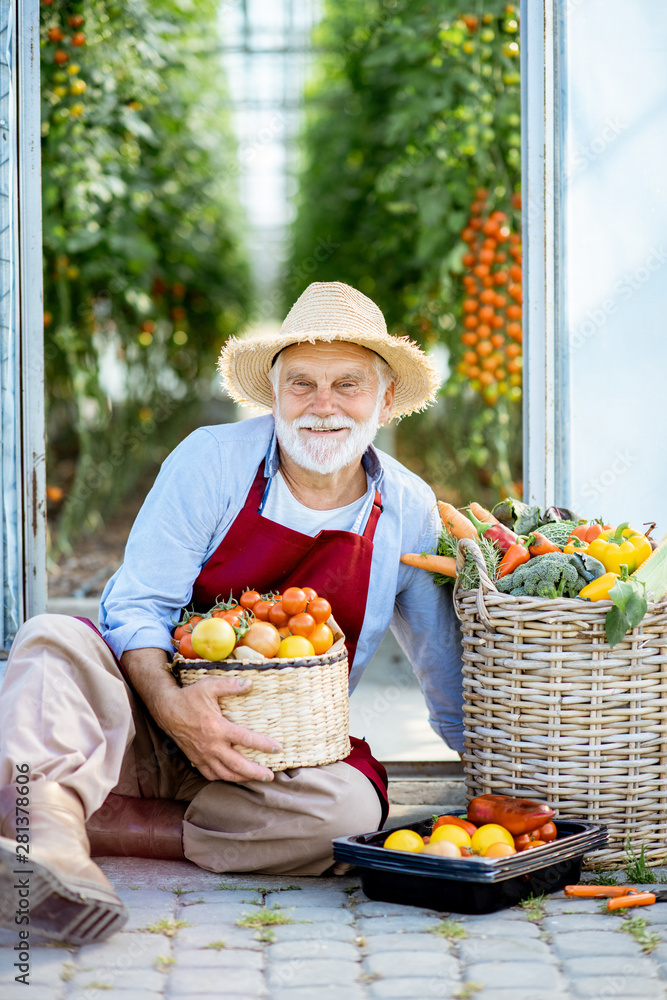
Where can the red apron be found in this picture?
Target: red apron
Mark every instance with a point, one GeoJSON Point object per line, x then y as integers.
{"type": "Point", "coordinates": [268, 556]}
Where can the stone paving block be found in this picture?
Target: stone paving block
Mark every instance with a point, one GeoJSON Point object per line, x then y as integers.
{"type": "Point", "coordinates": [192, 982]}
{"type": "Point", "coordinates": [223, 958]}
{"type": "Point", "coordinates": [576, 922]}
{"type": "Point", "coordinates": [141, 917]}
{"type": "Point", "coordinates": [505, 975]}
{"type": "Point", "coordinates": [570, 945]}
{"type": "Point", "coordinates": [378, 943]}
{"type": "Point", "coordinates": [158, 898]}
{"type": "Point", "coordinates": [388, 925]}
{"type": "Point", "coordinates": [610, 965]}
{"type": "Point", "coordinates": [566, 904]}
{"type": "Point", "coordinates": [375, 908]}
{"type": "Point", "coordinates": [407, 988]}
{"type": "Point", "coordinates": [46, 964]}
{"type": "Point", "coordinates": [420, 964]}
{"type": "Point", "coordinates": [120, 995]}
{"type": "Point", "coordinates": [202, 934]}
{"type": "Point", "coordinates": [500, 949]}
{"type": "Point", "coordinates": [308, 897]}
{"type": "Point", "coordinates": [215, 913]}
{"type": "Point", "coordinates": [655, 914]}
{"type": "Point", "coordinates": [491, 925]}
{"type": "Point", "coordinates": [313, 972]}
{"type": "Point", "coordinates": [601, 987]}
{"type": "Point", "coordinates": [348, 992]}
{"type": "Point", "coordinates": [36, 991]}
{"type": "Point", "coordinates": [509, 913]}
{"type": "Point", "coordinates": [123, 951]}
{"type": "Point", "coordinates": [320, 914]}
{"type": "Point", "coordinates": [315, 932]}
{"type": "Point", "coordinates": [234, 896]}
{"type": "Point", "coordinates": [103, 980]}
{"type": "Point", "coordinates": [344, 951]}
{"type": "Point", "coordinates": [531, 993]}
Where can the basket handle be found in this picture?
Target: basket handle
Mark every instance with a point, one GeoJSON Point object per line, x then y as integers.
{"type": "Point", "coordinates": [486, 584]}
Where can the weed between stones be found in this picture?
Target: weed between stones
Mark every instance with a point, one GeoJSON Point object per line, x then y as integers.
{"type": "Point", "coordinates": [638, 927]}
{"type": "Point", "coordinates": [167, 926]}
{"type": "Point", "coordinates": [449, 929]}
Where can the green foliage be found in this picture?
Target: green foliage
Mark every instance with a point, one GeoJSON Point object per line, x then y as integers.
{"type": "Point", "coordinates": [144, 272]}
{"type": "Point", "coordinates": [411, 111]}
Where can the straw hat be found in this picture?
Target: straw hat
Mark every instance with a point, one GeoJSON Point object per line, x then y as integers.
{"type": "Point", "coordinates": [329, 310]}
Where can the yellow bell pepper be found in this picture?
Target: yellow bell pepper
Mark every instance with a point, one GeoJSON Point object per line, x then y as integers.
{"type": "Point", "coordinates": [598, 590]}
{"type": "Point", "coordinates": [620, 547]}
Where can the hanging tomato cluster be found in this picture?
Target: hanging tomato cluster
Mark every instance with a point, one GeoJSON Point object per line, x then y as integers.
{"type": "Point", "coordinates": [492, 332]}
{"type": "Point", "coordinates": [64, 36]}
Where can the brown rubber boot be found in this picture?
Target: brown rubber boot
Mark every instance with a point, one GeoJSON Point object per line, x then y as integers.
{"type": "Point", "coordinates": [138, 828]}
{"type": "Point", "coordinates": [63, 893]}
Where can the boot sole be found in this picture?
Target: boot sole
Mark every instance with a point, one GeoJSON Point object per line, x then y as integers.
{"type": "Point", "coordinates": [57, 910]}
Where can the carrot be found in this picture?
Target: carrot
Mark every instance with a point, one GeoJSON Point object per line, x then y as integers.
{"type": "Point", "coordinates": [431, 562]}
{"type": "Point", "coordinates": [456, 522]}
{"type": "Point", "coordinates": [482, 514]}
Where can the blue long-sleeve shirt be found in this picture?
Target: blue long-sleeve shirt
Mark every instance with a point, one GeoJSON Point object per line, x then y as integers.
{"type": "Point", "coordinates": [201, 488]}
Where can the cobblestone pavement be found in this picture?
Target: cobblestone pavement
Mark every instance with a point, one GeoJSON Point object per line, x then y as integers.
{"type": "Point", "coordinates": [191, 933]}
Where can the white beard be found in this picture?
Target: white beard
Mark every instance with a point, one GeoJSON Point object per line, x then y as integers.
{"type": "Point", "coordinates": [326, 454]}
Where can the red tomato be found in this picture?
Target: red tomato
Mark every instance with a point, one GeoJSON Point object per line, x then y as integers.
{"type": "Point", "coordinates": [60, 57]}
{"type": "Point", "coordinates": [320, 609]}
{"type": "Point", "coordinates": [55, 34]}
{"type": "Point", "coordinates": [547, 833]}
{"type": "Point", "coordinates": [235, 618]}
{"type": "Point", "coordinates": [75, 20]}
{"type": "Point", "coordinates": [249, 598]}
{"type": "Point", "coordinates": [186, 628]}
{"type": "Point", "coordinates": [78, 38]}
{"type": "Point", "coordinates": [223, 612]}
{"type": "Point", "coordinates": [302, 624]}
{"type": "Point", "coordinates": [261, 610]}
{"type": "Point", "coordinates": [310, 593]}
{"type": "Point", "coordinates": [277, 615]}
{"type": "Point", "coordinates": [294, 601]}
{"type": "Point", "coordinates": [185, 647]}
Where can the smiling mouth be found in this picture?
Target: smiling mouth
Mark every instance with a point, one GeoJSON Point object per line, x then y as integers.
{"type": "Point", "coordinates": [324, 430]}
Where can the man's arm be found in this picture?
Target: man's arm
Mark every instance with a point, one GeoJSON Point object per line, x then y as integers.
{"type": "Point", "coordinates": [191, 716]}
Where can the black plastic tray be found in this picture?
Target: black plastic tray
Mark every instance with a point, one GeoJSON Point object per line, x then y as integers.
{"type": "Point", "coordinates": [466, 885]}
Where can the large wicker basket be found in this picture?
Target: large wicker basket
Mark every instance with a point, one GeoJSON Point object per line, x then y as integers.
{"type": "Point", "coordinates": [552, 712]}
{"type": "Point", "coordinates": [302, 703]}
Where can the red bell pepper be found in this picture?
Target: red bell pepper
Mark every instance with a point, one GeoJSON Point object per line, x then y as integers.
{"type": "Point", "coordinates": [516, 815]}
{"type": "Point", "coordinates": [498, 533]}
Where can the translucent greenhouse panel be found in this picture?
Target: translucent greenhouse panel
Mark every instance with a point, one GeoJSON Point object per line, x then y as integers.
{"type": "Point", "coordinates": [613, 259]}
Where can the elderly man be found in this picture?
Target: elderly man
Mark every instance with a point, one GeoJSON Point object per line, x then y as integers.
{"type": "Point", "coordinates": [300, 497]}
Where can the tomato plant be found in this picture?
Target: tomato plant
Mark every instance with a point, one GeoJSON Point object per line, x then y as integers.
{"type": "Point", "coordinates": [144, 266]}
{"type": "Point", "coordinates": [412, 114]}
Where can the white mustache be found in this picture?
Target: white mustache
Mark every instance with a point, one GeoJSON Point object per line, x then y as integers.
{"type": "Point", "coordinates": [330, 423]}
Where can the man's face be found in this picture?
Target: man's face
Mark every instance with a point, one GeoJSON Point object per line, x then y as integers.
{"type": "Point", "coordinates": [328, 404]}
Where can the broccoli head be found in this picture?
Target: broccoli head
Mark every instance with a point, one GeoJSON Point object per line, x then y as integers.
{"type": "Point", "coordinates": [552, 575]}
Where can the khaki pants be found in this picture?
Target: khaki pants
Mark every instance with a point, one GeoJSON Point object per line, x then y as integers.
{"type": "Point", "coordinates": [66, 711]}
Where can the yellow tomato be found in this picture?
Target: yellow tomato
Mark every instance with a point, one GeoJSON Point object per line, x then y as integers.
{"type": "Point", "coordinates": [443, 849]}
{"type": "Point", "coordinates": [454, 834]}
{"type": "Point", "coordinates": [294, 646]}
{"type": "Point", "coordinates": [499, 850]}
{"type": "Point", "coordinates": [404, 840]}
{"type": "Point", "coordinates": [213, 638]}
{"type": "Point", "coordinates": [490, 833]}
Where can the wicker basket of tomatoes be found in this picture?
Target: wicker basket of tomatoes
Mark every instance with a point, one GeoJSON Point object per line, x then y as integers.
{"type": "Point", "coordinates": [294, 652]}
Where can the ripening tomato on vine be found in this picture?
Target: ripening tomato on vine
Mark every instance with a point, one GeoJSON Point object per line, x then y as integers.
{"type": "Point", "coordinates": [491, 334]}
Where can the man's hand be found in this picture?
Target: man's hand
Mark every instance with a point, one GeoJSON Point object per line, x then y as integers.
{"type": "Point", "coordinates": [192, 717]}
